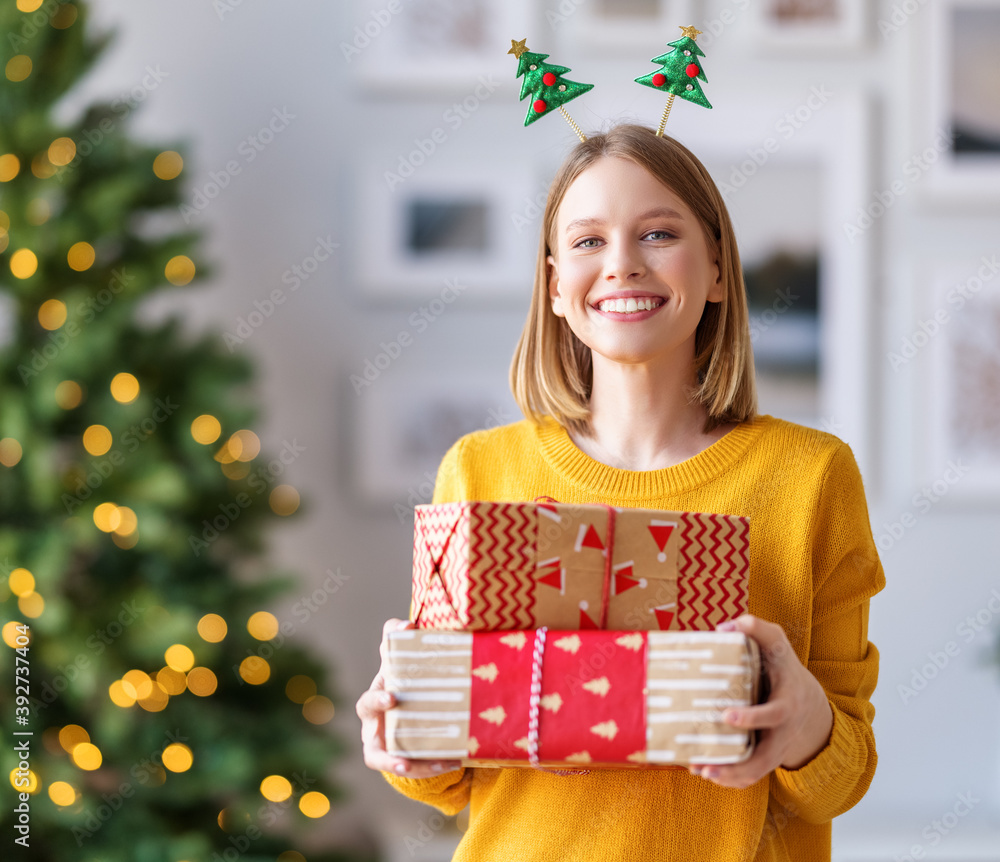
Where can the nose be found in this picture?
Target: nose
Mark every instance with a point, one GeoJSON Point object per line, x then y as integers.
{"type": "Point", "coordinates": [623, 263]}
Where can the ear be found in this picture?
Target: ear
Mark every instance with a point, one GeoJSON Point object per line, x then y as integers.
{"type": "Point", "coordinates": [716, 291]}
{"type": "Point", "coordinates": [554, 295]}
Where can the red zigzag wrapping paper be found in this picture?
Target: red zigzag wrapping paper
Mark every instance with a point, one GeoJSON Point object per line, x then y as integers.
{"type": "Point", "coordinates": [606, 699]}
{"type": "Point", "coordinates": [483, 566]}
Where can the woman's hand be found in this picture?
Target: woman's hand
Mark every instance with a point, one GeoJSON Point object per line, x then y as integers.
{"type": "Point", "coordinates": [796, 721]}
{"type": "Point", "coordinates": [371, 708]}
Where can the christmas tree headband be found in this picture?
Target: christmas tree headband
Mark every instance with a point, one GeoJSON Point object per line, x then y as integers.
{"type": "Point", "coordinates": [544, 82]}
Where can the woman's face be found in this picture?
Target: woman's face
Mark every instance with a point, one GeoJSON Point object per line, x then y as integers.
{"type": "Point", "coordinates": [631, 269]}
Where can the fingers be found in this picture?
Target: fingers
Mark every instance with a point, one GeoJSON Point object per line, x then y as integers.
{"type": "Point", "coordinates": [374, 702]}
{"type": "Point", "coordinates": [766, 715]}
{"type": "Point", "coordinates": [773, 641]}
{"type": "Point", "coordinates": [393, 625]}
{"type": "Point", "coordinates": [741, 775]}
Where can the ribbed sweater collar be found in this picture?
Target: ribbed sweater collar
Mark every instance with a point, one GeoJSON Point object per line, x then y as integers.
{"type": "Point", "coordinates": [611, 484]}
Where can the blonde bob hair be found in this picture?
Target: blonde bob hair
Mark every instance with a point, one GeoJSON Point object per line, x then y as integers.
{"type": "Point", "coordinates": [552, 374]}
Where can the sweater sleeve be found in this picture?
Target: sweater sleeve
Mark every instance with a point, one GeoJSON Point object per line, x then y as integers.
{"type": "Point", "coordinates": [449, 792]}
{"type": "Point", "coordinates": [846, 574]}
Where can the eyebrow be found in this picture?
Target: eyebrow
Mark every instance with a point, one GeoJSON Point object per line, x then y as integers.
{"type": "Point", "coordinates": [658, 212]}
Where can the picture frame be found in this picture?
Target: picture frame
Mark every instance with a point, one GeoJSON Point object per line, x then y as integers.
{"type": "Point", "coordinates": [831, 132]}
{"type": "Point", "coordinates": [407, 420]}
{"type": "Point", "coordinates": [809, 25]}
{"type": "Point", "coordinates": [957, 136]}
{"type": "Point", "coordinates": [621, 25]}
{"type": "Point", "coordinates": [446, 223]}
{"type": "Point", "coordinates": [955, 350]}
{"type": "Point", "coordinates": [435, 47]}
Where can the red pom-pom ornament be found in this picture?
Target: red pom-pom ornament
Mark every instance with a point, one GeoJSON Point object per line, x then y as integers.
{"type": "Point", "coordinates": [540, 106]}
{"type": "Point", "coordinates": [692, 70]}
{"type": "Point", "coordinates": [659, 80]}
{"type": "Point", "coordinates": [548, 79]}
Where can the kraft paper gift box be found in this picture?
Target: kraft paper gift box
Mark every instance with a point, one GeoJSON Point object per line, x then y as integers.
{"type": "Point", "coordinates": [576, 699]}
{"type": "Point", "coordinates": [481, 566]}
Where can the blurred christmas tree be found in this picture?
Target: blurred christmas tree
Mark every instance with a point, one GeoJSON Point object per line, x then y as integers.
{"type": "Point", "coordinates": [151, 708]}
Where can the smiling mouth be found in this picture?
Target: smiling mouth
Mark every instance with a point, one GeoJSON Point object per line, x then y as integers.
{"type": "Point", "coordinates": [627, 306]}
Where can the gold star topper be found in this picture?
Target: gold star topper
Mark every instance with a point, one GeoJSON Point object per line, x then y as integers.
{"type": "Point", "coordinates": [518, 48]}
{"type": "Point", "coordinates": [691, 32]}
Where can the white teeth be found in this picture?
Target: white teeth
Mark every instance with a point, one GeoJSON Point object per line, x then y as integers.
{"type": "Point", "coordinates": [627, 306]}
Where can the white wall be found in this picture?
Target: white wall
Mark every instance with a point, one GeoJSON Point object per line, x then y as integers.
{"type": "Point", "coordinates": [227, 73]}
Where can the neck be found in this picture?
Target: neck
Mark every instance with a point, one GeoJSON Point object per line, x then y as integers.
{"type": "Point", "coordinates": [642, 417]}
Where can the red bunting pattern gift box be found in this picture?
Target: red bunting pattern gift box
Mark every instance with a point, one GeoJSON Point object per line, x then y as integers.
{"type": "Point", "coordinates": [577, 699]}
{"type": "Point", "coordinates": [482, 566]}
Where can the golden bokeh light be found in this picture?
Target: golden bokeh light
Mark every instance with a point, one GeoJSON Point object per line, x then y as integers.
{"type": "Point", "coordinates": [137, 684]}
{"type": "Point", "coordinates": [255, 670]}
{"type": "Point", "coordinates": [69, 394]}
{"type": "Point", "coordinates": [202, 681]}
{"type": "Point", "coordinates": [205, 429]}
{"type": "Point", "coordinates": [107, 518]}
{"type": "Point", "coordinates": [179, 657]}
{"type": "Point", "coordinates": [177, 757]}
{"type": "Point", "coordinates": [291, 856]}
{"type": "Point", "coordinates": [235, 470]}
{"type": "Point", "coordinates": [71, 736]}
{"type": "Point", "coordinates": [87, 756]}
{"type": "Point", "coordinates": [97, 440]}
{"type": "Point", "coordinates": [212, 628]}
{"type": "Point", "coordinates": [276, 788]}
{"type": "Point", "coordinates": [244, 445]}
{"type": "Point", "coordinates": [41, 167]}
{"type": "Point", "coordinates": [62, 151]}
{"type": "Point", "coordinates": [23, 263]}
{"type": "Point", "coordinates": [10, 452]}
{"type": "Point", "coordinates": [124, 387]}
{"type": "Point", "coordinates": [300, 688]}
{"type": "Point", "coordinates": [263, 625]}
{"type": "Point", "coordinates": [318, 710]}
{"type": "Point", "coordinates": [156, 700]}
{"type": "Point", "coordinates": [125, 542]}
{"type": "Point", "coordinates": [284, 500]}
{"type": "Point", "coordinates": [18, 67]}
{"type": "Point", "coordinates": [128, 522]}
{"type": "Point", "coordinates": [81, 256]}
{"type": "Point", "coordinates": [64, 17]}
{"type": "Point", "coordinates": [10, 166]}
{"type": "Point", "coordinates": [62, 793]}
{"type": "Point", "coordinates": [174, 682]}
{"type": "Point", "coordinates": [12, 634]}
{"type": "Point", "coordinates": [168, 165]}
{"type": "Point", "coordinates": [179, 270]}
{"type": "Point", "coordinates": [118, 695]}
{"type": "Point", "coordinates": [31, 605]}
{"type": "Point", "coordinates": [17, 780]}
{"type": "Point", "coordinates": [21, 582]}
{"type": "Point", "coordinates": [52, 314]}
{"type": "Point", "coordinates": [28, 5]}
{"type": "Point", "coordinates": [314, 804]}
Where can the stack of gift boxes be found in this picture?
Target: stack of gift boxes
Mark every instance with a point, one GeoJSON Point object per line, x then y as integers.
{"type": "Point", "coordinates": [572, 636]}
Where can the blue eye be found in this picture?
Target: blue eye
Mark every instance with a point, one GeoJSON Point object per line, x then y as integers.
{"type": "Point", "coordinates": [583, 243]}
{"type": "Point", "coordinates": [663, 234]}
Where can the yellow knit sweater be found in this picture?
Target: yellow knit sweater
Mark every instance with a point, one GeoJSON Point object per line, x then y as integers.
{"type": "Point", "coordinates": [813, 568]}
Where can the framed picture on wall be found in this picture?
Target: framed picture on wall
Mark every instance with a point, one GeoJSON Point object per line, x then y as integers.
{"type": "Point", "coordinates": [446, 223]}
{"type": "Point", "coordinates": [797, 25]}
{"type": "Point", "coordinates": [955, 350]}
{"type": "Point", "coordinates": [795, 171]}
{"type": "Point", "coordinates": [626, 25]}
{"type": "Point", "coordinates": [436, 46]}
{"type": "Point", "coordinates": [406, 421]}
{"type": "Point", "coordinates": [957, 145]}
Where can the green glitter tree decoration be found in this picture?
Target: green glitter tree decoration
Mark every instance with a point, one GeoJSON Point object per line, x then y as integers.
{"type": "Point", "coordinates": [679, 73]}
